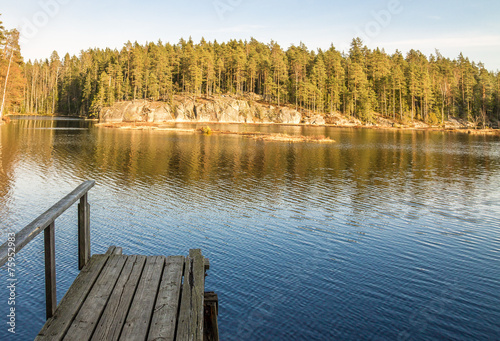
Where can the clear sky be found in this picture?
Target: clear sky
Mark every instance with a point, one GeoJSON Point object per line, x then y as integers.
{"type": "Point", "coordinates": [452, 26]}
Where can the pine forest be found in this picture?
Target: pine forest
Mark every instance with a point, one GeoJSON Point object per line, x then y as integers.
{"type": "Point", "coordinates": [357, 83]}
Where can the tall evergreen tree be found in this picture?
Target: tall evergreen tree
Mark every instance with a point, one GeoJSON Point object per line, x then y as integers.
{"type": "Point", "coordinates": [11, 77]}
{"type": "Point", "coordinates": [359, 83]}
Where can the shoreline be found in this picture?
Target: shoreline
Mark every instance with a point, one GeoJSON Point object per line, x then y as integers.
{"type": "Point", "coordinates": [206, 130]}
{"type": "Point", "coordinates": [55, 115]}
{"type": "Point", "coordinates": [168, 126]}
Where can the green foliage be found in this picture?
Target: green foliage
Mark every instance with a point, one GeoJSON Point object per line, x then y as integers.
{"type": "Point", "coordinates": [433, 118]}
{"type": "Point", "coordinates": [358, 83]}
{"type": "Point", "coordinates": [12, 82]}
{"type": "Point", "coordinates": [206, 130]}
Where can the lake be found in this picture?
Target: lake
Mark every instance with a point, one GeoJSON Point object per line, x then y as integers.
{"type": "Point", "coordinates": [383, 235]}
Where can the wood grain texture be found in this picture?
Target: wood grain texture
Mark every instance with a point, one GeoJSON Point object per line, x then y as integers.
{"type": "Point", "coordinates": [55, 328]}
{"type": "Point", "coordinates": [111, 250]}
{"type": "Point", "coordinates": [190, 321]}
{"type": "Point", "coordinates": [164, 320]}
{"type": "Point", "coordinates": [117, 297]}
{"type": "Point", "coordinates": [113, 318]}
{"type": "Point", "coordinates": [87, 318]}
{"type": "Point", "coordinates": [139, 316]}
{"type": "Point", "coordinates": [50, 270]}
{"type": "Point", "coordinates": [114, 250]}
{"type": "Point", "coordinates": [83, 232]}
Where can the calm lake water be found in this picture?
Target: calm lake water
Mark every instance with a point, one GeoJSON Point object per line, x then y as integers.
{"type": "Point", "coordinates": [384, 235]}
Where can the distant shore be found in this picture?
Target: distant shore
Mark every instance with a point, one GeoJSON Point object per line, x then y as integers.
{"type": "Point", "coordinates": [279, 137]}
{"type": "Point", "coordinates": [252, 110]}
{"type": "Point", "coordinates": [167, 126]}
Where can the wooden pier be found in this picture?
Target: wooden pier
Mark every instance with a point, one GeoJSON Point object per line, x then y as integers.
{"type": "Point", "coordinates": [119, 297]}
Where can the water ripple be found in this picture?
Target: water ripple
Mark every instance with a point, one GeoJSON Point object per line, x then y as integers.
{"type": "Point", "coordinates": [383, 235]}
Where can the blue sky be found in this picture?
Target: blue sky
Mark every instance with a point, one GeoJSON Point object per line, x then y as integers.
{"type": "Point", "coordinates": [73, 25]}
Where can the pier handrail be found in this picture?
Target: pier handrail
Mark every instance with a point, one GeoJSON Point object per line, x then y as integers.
{"type": "Point", "coordinates": [45, 223]}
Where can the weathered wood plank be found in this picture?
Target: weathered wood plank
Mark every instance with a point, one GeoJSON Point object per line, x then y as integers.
{"type": "Point", "coordinates": [83, 232]}
{"type": "Point", "coordinates": [86, 320]}
{"type": "Point", "coordinates": [50, 270]}
{"type": "Point", "coordinates": [110, 251]}
{"type": "Point", "coordinates": [112, 320]}
{"type": "Point", "coordinates": [114, 250]}
{"type": "Point", "coordinates": [190, 321]}
{"type": "Point", "coordinates": [164, 318]}
{"type": "Point", "coordinates": [211, 297]}
{"type": "Point", "coordinates": [139, 316]}
{"type": "Point", "coordinates": [29, 232]}
{"type": "Point", "coordinates": [56, 327]}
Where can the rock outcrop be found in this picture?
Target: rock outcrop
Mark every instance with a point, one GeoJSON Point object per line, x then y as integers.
{"type": "Point", "coordinates": [138, 110]}
{"type": "Point", "coordinates": [248, 109]}
{"type": "Point", "coordinates": [223, 109]}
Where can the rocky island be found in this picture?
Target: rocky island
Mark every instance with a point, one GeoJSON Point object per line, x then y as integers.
{"type": "Point", "coordinates": [248, 109]}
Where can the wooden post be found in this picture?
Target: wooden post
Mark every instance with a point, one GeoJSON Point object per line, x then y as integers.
{"type": "Point", "coordinates": [50, 270]}
{"type": "Point", "coordinates": [211, 310]}
{"type": "Point", "coordinates": [83, 232]}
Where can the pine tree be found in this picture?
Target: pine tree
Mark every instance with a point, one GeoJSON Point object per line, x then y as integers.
{"type": "Point", "coordinates": [415, 75]}
{"type": "Point", "coordinates": [208, 66]}
{"type": "Point", "coordinates": [318, 81]}
{"type": "Point", "coordinates": [137, 71]}
{"type": "Point", "coordinates": [12, 79]}
{"type": "Point", "coordinates": [335, 74]}
{"type": "Point", "coordinates": [380, 75]}
{"type": "Point", "coordinates": [101, 98]}
{"type": "Point", "coordinates": [444, 81]}
{"type": "Point", "coordinates": [279, 71]}
{"type": "Point", "coordinates": [359, 92]}
{"type": "Point", "coordinates": [357, 83]}
{"type": "Point", "coordinates": [467, 85]}
{"type": "Point", "coordinates": [483, 92]}
{"type": "Point", "coordinates": [4, 57]}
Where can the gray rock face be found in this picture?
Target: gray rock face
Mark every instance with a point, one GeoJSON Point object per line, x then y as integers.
{"type": "Point", "coordinates": [219, 109]}
{"type": "Point", "coordinates": [137, 111]}
{"type": "Point", "coordinates": [161, 113]}
{"type": "Point", "coordinates": [317, 120]}
{"type": "Point", "coordinates": [290, 116]}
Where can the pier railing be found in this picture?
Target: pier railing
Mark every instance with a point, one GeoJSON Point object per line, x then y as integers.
{"type": "Point", "coordinates": [46, 223]}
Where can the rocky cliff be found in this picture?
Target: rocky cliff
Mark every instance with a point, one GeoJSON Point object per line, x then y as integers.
{"type": "Point", "coordinates": [248, 109]}
{"type": "Point", "coordinates": [223, 109]}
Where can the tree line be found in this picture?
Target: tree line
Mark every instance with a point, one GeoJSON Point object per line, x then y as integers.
{"type": "Point", "coordinates": [12, 82]}
{"type": "Point", "coordinates": [357, 83]}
